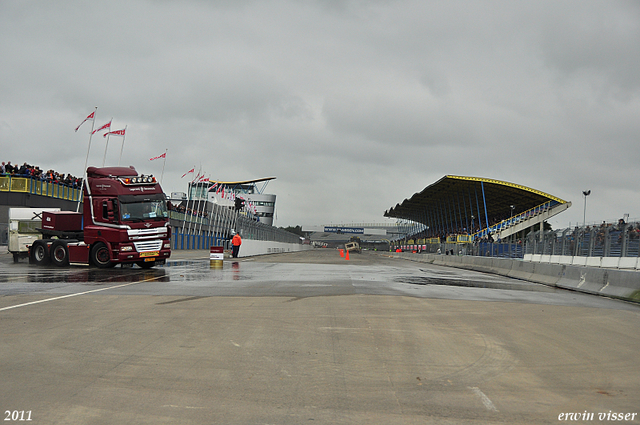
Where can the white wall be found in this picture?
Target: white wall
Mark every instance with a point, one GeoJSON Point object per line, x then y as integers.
{"type": "Point", "coordinates": [251, 247]}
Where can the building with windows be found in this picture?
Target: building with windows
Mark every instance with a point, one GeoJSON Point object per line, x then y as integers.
{"type": "Point", "coordinates": [257, 204]}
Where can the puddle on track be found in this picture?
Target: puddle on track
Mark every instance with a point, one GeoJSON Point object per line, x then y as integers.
{"type": "Point", "coordinates": [516, 285]}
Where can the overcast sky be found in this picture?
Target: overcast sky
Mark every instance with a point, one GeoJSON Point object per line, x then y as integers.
{"type": "Point", "coordinates": [353, 105]}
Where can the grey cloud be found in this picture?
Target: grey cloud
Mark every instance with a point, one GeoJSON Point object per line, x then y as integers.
{"type": "Point", "coordinates": [397, 93]}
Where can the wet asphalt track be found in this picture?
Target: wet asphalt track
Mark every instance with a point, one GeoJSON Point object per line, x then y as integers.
{"type": "Point", "coordinates": [307, 338]}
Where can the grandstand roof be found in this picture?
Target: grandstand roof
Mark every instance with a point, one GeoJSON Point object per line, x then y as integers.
{"type": "Point", "coordinates": [243, 181]}
{"type": "Point", "coordinates": [459, 195]}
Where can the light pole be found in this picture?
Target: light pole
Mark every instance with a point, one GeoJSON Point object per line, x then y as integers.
{"type": "Point", "coordinates": [584, 217]}
{"type": "Point", "coordinates": [511, 220]}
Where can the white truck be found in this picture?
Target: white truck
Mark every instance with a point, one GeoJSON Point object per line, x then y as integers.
{"type": "Point", "coordinates": [23, 223]}
{"type": "Point", "coordinates": [352, 247]}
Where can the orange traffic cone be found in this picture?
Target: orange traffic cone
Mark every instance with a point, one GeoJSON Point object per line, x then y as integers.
{"type": "Point", "coordinates": [346, 255]}
{"type": "Point", "coordinates": [342, 252]}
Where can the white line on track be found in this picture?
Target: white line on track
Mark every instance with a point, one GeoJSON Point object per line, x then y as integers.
{"type": "Point", "coordinates": [76, 294]}
{"type": "Point", "coordinates": [485, 400]}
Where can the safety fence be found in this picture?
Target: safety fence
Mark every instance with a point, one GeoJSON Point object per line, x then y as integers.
{"type": "Point", "coordinates": [620, 240]}
{"type": "Point", "coordinates": [214, 225]}
{"type": "Point", "coordinates": [39, 187]}
{"type": "Point", "coordinates": [480, 249]}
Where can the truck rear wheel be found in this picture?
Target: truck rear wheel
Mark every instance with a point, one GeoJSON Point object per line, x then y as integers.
{"type": "Point", "coordinates": [59, 253]}
{"type": "Point", "coordinates": [100, 256]}
{"type": "Point", "coordinates": [40, 253]}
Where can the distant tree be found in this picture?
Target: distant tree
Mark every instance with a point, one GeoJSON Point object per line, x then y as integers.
{"type": "Point", "coordinates": [296, 230]}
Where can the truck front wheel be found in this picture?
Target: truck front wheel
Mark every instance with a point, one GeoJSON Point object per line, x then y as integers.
{"type": "Point", "coordinates": [40, 253]}
{"type": "Point", "coordinates": [59, 253]}
{"type": "Point", "coordinates": [100, 256]}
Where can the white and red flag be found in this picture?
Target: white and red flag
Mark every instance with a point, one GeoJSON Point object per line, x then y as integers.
{"type": "Point", "coordinates": [91, 117]}
{"type": "Point", "coordinates": [164, 155]}
{"type": "Point", "coordinates": [115, 133]}
{"type": "Point", "coordinates": [193, 170]}
{"type": "Point", "coordinates": [107, 126]}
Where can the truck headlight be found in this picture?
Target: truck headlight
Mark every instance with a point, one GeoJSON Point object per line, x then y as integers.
{"type": "Point", "coordinates": [126, 248]}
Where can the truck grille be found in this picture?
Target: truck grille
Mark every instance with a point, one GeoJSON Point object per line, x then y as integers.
{"type": "Point", "coordinates": [147, 246]}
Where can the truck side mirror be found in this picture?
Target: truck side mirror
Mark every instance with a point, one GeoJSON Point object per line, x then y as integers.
{"type": "Point", "coordinates": [110, 213]}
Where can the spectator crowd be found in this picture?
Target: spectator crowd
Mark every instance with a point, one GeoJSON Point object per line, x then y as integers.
{"type": "Point", "coordinates": [34, 172]}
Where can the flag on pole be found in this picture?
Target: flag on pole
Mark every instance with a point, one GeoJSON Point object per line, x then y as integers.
{"type": "Point", "coordinates": [193, 170]}
{"type": "Point", "coordinates": [164, 155]}
{"type": "Point", "coordinates": [115, 133]}
{"type": "Point", "coordinates": [106, 126]}
{"type": "Point", "coordinates": [90, 117]}
{"type": "Point", "coordinates": [212, 188]}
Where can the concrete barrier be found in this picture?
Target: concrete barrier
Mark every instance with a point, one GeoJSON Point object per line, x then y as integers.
{"type": "Point", "coordinates": [628, 263]}
{"type": "Point", "coordinates": [585, 279]}
{"type": "Point", "coordinates": [593, 262]}
{"type": "Point", "coordinates": [547, 274]}
{"type": "Point", "coordinates": [624, 284]}
{"type": "Point", "coordinates": [523, 270]}
{"type": "Point", "coordinates": [565, 259]}
{"type": "Point", "coordinates": [610, 262]}
{"type": "Point", "coordinates": [579, 261]}
{"type": "Point", "coordinates": [252, 247]}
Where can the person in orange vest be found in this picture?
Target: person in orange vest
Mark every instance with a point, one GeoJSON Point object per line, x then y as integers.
{"type": "Point", "coordinates": [236, 241]}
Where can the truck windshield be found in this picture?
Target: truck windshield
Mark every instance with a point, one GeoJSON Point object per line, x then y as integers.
{"type": "Point", "coordinates": [143, 209]}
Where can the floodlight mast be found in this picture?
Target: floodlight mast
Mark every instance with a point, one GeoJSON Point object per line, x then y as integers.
{"type": "Point", "coordinates": [584, 217]}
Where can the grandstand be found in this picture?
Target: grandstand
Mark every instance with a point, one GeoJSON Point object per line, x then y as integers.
{"type": "Point", "coordinates": [465, 209]}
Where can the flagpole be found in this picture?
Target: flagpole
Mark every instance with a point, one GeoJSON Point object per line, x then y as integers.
{"type": "Point", "coordinates": [104, 158]}
{"type": "Point", "coordinates": [122, 147]}
{"type": "Point", "coordinates": [163, 164]}
{"type": "Point", "coordinates": [203, 207]}
{"type": "Point", "coordinates": [188, 199]}
{"type": "Point", "coordinates": [86, 161]}
{"type": "Point", "coordinates": [193, 203]}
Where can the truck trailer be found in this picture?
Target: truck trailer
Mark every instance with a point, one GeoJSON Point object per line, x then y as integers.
{"type": "Point", "coordinates": [24, 225]}
{"type": "Point", "coordinates": [125, 220]}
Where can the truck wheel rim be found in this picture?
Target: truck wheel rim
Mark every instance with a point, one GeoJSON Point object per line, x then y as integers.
{"type": "Point", "coordinates": [59, 253]}
{"type": "Point", "coordinates": [102, 256]}
{"type": "Point", "coordinates": [39, 253]}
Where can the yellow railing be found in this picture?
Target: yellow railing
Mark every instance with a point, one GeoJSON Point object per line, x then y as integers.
{"type": "Point", "coordinates": [37, 187]}
{"type": "Point", "coordinates": [459, 239]}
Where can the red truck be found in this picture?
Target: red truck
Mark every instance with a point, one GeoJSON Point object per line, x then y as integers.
{"type": "Point", "coordinates": [125, 220]}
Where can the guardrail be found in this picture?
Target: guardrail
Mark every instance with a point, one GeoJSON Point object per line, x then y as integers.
{"type": "Point", "coordinates": [621, 240]}
{"type": "Point", "coordinates": [39, 187]}
{"type": "Point", "coordinates": [606, 246]}
{"type": "Point", "coordinates": [215, 224]}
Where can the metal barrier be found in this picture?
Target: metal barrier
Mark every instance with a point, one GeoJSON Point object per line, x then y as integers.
{"type": "Point", "coordinates": [605, 241]}
{"type": "Point", "coordinates": [214, 225]}
{"type": "Point", "coordinates": [620, 240]}
{"type": "Point", "coordinates": [39, 187]}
